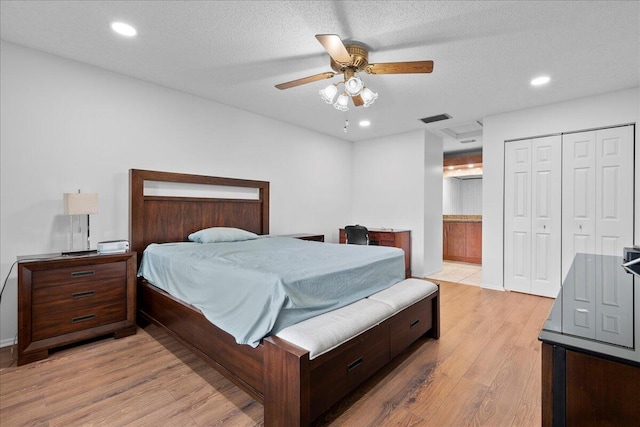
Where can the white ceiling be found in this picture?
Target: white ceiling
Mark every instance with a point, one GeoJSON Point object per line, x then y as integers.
{"type": "Point", "coordinates": [234, 52]}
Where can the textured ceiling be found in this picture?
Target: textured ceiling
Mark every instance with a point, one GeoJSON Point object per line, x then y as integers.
{"type": "Point", "coordinates": [234, 52]}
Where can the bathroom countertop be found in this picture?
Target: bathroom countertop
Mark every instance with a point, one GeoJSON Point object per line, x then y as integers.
{"type": "Point", "coordinates": [462, 218]}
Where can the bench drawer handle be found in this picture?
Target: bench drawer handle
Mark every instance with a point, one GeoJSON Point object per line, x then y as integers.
{"type": "Point", "coordinates": [353, 365]}
{"type": "Point", "coordinates": [83, 273]}
{"type": "Point", "coordinates": [83, 318]}
{"type": "Point", "coordinates": [83, 294]}
{"type": "Point", "coordinates": [414, 323]}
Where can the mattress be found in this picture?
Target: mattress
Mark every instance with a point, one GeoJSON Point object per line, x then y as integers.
{"type": "Point", "coordinates": [254, 288]}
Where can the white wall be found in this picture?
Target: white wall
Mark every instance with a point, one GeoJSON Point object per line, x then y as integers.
{"type": "Point", "coordinates": [68, 126]}
{"type": "Point", "coordinates": [610, 109]}
{"type": "Point", "coordinates": [389, 191]}
{"type": "Point", "coordinates": [471, 195]}
{"type": "Point", "coordinates": [451, 196]}
{"type": "Point", "coordinates": [462, 196]}
{"type": "Point", "coordinates": [432, 208]}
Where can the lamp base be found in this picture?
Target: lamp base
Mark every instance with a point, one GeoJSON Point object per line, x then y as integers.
{"type": "Point", "coordinates": [79, 253]}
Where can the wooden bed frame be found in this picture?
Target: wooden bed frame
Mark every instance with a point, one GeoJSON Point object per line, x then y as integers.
{"type": "Point", "coordinates": [293, 389]}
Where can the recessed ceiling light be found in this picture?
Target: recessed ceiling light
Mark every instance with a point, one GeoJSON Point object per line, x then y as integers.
{"type": "Point", "coordinates": [123, 29]}
{"type": "Point", "coordinates": [539, 81]}
{"type": "Point", "coordinates": [364, 123]}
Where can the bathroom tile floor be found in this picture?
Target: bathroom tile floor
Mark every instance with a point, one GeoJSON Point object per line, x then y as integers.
{"type": "Point", "coordinates": [460, 272]}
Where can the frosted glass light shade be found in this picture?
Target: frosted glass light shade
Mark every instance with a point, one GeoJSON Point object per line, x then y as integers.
{"type": "Point", "coordinates": [328, 93]}
{"type": "Point", "coordinates": [80, 203]}
{"type": "Point", "coordinates": [368, 96]}
{"type": "Point", "coordinates": [341, 102]}
{"type": "Point", "coordinates": [353, 86]}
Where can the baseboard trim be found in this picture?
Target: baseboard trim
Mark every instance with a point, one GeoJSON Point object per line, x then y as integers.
{"type": "Point", "coordinates": [492, 287]}
{"type": "Point", "coordinates": [7, 342]}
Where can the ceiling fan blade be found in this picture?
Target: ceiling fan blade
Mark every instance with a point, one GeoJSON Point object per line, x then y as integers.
{"type": "Point", "coordinates": [400, 67]}
{"type": "Point", "coordinates": [306, 80]}
{"type": "Point", "coordinates": [334, 47]}
{"type": "Point", "coordinates": [357, 100]}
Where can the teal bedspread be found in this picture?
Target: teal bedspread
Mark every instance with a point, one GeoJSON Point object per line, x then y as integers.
{"type": "Point", "coordinates": [255, 288]}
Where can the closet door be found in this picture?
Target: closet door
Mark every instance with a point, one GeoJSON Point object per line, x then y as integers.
{"type": "Point", "coordinates": [546, 233]}
{"type": "Point", "coordinates": [578, 198]}
{"type": "Point", "coordinates": [532, 216]}
{"type": "Point", "coordinates": [614, 231]}
{"type": "Point", "coordinates": [597, 219]}
{"type": "Point", "coordinates": [517, 216]}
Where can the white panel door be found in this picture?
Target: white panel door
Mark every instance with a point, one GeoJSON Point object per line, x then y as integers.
{"type": "Point", "coordinates": [597, 219]}
{"type": "Point", "coordinates": [614, 231]}
{"type": "Point", "coordinates": [578, 196]}
{"type": "Point", "coordinates": [614, 190]}
{"type": "Point", "coordinates": [517, 216]}
{"type": "Point", "coordinates": [532, 216]}
{"type": "Point", "coordinates": [546, 233]}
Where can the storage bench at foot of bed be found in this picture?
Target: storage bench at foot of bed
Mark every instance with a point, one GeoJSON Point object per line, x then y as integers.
{"type": "Point", "coordinates": [337, 351]}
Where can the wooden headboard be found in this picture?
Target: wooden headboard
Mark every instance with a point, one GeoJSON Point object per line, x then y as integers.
{"type": "Point", "coordinates": [161, 219]}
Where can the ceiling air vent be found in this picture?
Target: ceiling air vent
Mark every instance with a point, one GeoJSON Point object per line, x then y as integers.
{"type": "Point", "coordinates": [467, 141]}
{"type": "Point", "coordinates": [437, 118]}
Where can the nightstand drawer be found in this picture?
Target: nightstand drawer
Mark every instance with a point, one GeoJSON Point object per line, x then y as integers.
{"type": "Point", "coordinates": [92, 272]}
{"type": "Point", "coordinates": [58, 323]}
{"type": "Point", "coordinates": [71, 297]}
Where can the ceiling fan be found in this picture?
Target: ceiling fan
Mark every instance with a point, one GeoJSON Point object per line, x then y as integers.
{"type": "Point", "coordinates": [348, 60]}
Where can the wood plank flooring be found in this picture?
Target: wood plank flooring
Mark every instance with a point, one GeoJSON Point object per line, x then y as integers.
{"type": "Point", "coordinates": [484, 370]}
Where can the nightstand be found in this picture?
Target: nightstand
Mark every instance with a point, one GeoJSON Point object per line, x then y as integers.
{"type": "Point", "coordinates": [67, 299]}
{"type": "Point", "coordinates": [306, 236]}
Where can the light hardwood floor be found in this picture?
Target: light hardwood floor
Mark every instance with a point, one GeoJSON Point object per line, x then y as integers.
{"type": "Point", "coordinates": [484, 370]}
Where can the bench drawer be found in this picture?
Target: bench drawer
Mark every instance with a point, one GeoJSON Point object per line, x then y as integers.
{"type": "Point", "coordinates": [409, 325]}
{"type": "Point", "coordinates": [336, 373]}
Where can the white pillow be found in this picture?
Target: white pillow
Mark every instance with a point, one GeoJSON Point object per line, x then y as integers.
{"type": "Point", "coordinates": [221, 234]}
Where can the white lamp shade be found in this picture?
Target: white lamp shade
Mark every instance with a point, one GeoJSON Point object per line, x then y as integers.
{"type": "Point", "coordinates": [341, 102]}
{"type": "Point", "coordinates": [328, 93]}
{"type": "Point", "coordinates": [353, 86]}
{"type": "Point", "coordinates": [368, 96]}
{"type": "Point", "coordinates": [80, 203]}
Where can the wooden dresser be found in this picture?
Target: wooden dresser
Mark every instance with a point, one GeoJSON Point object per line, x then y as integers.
{"type": "Point", "coordinates": [591, 347]}
{"type": "Point", "coordinates": [389, 237]}
{"type": "Point", "coordinates": [64, 300]}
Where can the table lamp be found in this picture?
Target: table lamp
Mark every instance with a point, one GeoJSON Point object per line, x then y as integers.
{"type": "Point", "coordinates": [80, 204]}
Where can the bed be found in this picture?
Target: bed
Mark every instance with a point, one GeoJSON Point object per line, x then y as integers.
{"type": "Point", "coordinates": [294, 387]}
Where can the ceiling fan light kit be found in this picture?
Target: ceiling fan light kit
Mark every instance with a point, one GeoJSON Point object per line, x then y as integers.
{"type": "Point", "coordinates": [349, 60]}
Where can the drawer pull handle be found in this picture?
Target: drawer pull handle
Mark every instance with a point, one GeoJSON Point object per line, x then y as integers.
{"type": "Point", "coordinates": [83, 294]}
{"type": "Point", "coordinates": [83, 318]}
{"type": "Point", "coordinates": [414, 323]}
{"type": "Point", "coordinates": [83, 273]}
{"type": "Point", "coordinates": [353, 365]}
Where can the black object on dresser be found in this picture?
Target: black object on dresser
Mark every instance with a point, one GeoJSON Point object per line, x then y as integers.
{"type": "Point", "coordinates": [67, 299]}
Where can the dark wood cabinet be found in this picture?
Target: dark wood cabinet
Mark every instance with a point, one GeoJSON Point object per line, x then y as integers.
{"type": "Point", "coordinates": [581, 389]}
{"type": "Point", "coordinates": [462, 241]}
{"type": "Point", "coordinates": [63, 300]}
{"type": "Point", "coordinates": [389, 237]}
